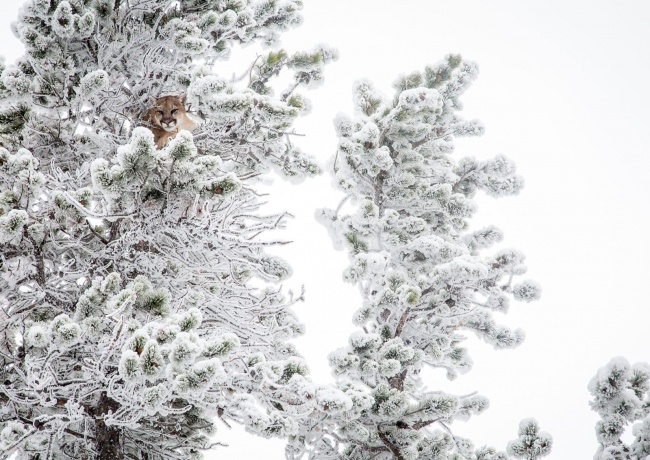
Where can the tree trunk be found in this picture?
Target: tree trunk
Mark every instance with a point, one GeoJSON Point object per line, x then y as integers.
{"type": "Point", "coordinates": [108, 439]}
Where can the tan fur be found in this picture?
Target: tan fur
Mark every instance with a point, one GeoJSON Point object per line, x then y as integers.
{"type": "Point", "coordinates": [166, 118]}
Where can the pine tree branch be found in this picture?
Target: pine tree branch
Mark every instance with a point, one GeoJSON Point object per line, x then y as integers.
{"type": "Point", "coordinates": [287, 93]}
{"type": "Point", "coordinates": [115, 227]}
{"type": "Point", "coordinates": [390, 445]}
{"type": "Point", "coordinates": [97, 235]}
{"type": "Point", "coordinates": [397, 381]}
{"type": "Point", "coordinates": [40, 265]}
{"type": "Point", "coordinates": [342, 202]}
{"type": "Point", "coordinates": [419, 425]}
{"type": "Point", "coordinates": [8, 450]}
{"type": "Point", "coordinates": [402, 322]}
{"type": "Point", "coordinates": [377, 449]}
{"type": "Point", "coordinates": [424, 140]}
{"type": "Point", "coordinates": [379, 185]}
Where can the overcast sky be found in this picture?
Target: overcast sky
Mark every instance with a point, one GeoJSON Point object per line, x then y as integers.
{"type": "Point", "coordinates": [563, 91]}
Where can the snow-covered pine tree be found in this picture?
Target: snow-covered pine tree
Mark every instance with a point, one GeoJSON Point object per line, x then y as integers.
{"type": "Point", "coordinates": [137, 302]}
{"type": "Point", "coordinates": [621, 397]}
{"type": "Point", "coordinates": [425, 277]}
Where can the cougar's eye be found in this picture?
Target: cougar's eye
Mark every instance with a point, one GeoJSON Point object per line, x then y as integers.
{"type": "Point", "coordinates": [160, 112]}
{"type": "Point", "coordinates": [174, 111]}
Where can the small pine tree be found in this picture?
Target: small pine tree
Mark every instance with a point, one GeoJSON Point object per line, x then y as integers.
{"type": "Point", "coordinates": [620, 393]}
{"type": "Point", "coordinates": [136, 296]}
{"type": "Point", "coordinates": [423, 274]}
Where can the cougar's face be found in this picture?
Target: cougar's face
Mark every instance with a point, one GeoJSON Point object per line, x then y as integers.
{"type": "Point", "coordinates": [167, 110]}
{"type": "Point", "coordinates": [167, 118]}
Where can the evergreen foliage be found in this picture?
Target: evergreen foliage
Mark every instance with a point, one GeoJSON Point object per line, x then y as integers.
{"type": "Point", "coordinates": [620, 397]}
{"type": "Point", "coordinates": [137, 299]}
{"type": "Point", "coordinates": [424, 275]}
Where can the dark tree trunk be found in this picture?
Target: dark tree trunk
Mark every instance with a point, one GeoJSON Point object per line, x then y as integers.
{"type": "Point", "coordinates": [109, 439]}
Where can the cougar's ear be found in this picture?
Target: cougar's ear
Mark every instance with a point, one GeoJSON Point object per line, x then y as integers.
{"type": "Point", "coordinates": [183, 98]}
{"type": "Point", "coordinates": [152, 101]}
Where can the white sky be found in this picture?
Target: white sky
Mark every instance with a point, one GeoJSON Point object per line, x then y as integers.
{"type": "Point", "coordinates": [563, 91]}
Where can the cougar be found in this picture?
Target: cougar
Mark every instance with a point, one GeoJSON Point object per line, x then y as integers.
{"type": "Point", "coordinates": [166, 118]}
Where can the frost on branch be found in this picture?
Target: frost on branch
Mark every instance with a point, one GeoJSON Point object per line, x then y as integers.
{"type": "Point", "coordinates": [141, 50]}
{"type": "Point", "coordinates": [532, 443]}
{"type": "Point", "coordinates": [620, 397]}
{"type": "Point", "coordinates": [424, 275]}
{"type": "Point", "coordinates": [156, 364]}
{"type": "Point", "coordinates": [251, 125]}
{"type": "Point", "coordinates": [138, 305]}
